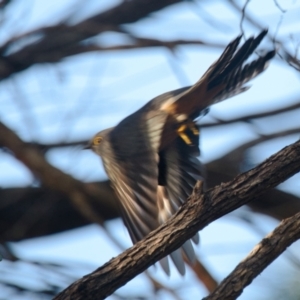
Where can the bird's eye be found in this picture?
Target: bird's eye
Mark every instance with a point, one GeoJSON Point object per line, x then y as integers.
{"type": "Point", "coordinates": [97, 140]}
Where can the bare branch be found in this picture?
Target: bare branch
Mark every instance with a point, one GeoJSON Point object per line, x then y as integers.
{"type": "Point", "coordinates": [279, 7]}
{"type": "Point", "coordinates": [139, 43]}
{"type": "Point", "coordinates": [250, 117]}
{"type": "Point", "coordinates": [260, 257]}
{"type": "Point", "coordinates": [54, 42]}
{"type": "Point", "coordinates": [283, 53]}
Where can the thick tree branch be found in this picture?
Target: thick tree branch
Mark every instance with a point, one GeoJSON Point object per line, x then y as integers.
{"type": "Point", "coordinates": [31, 212]}
{"type": "Point", "coordinates": [194, 215]}
{"type": "Point", "coordinates": [260, 257]}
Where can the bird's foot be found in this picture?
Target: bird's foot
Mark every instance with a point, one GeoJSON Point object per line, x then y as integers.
{"type": "Point", "coordinates": [182, 131]}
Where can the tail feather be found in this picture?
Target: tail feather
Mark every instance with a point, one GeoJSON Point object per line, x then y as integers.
{"type": "Point", "coordinates": [235, 82]}
{"type": "Point", "coordinates": [225, 78]}
{"type": "Point", "coordinates": [223, 60]}
{"type": "Point", "coordinates": [237, 59]}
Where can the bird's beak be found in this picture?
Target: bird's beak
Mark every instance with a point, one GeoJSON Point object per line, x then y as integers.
{"type": "Point", "coordinates": [88, 146]}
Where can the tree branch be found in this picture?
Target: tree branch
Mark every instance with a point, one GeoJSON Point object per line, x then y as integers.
{"type": "Point", "coordinates": [139, 43]}
{"type": "Point", "coordinates": [251, 117]}
{"type": "Point", "coordinates": [56, 41]}
{"type": "Point", "coordinates": [199, 211]}
{"type": "Point", "coordinates": [259, 258]}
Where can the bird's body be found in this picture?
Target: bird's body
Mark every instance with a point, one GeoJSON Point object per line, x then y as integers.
{"type": "Point", "coordinates": [151, 156]}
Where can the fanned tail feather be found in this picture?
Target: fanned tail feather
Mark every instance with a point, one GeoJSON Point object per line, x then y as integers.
{"type": "Point", "coordinates": [232, 73]}
{"type": "Point", "coordinates": [225, 78]}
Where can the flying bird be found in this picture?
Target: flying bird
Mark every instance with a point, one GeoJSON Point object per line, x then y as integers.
{"type": "Point", "coordinates": [151, 156]}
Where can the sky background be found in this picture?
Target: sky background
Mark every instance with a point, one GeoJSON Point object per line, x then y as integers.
{"type": "Point", "coordinates": [83, 94]}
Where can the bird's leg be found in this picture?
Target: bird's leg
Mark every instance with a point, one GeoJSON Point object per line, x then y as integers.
{"type": "Point", "coordinates": [193, 128]}
{"type": "Point", "coordinates": [183, 134]}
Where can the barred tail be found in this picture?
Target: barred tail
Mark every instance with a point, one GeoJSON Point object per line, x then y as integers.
{"type": "Point", "coordinates": [225, 78]}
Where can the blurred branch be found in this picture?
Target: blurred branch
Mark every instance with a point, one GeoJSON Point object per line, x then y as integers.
{"type": "Point", "coordinates": [54, 42]}
{"type": "Point", "coordinates": [279, 7]}
{"type": "Point", "coordinates": [250, 117]}
{"type": "Point", "coordinates": [78, 193]}
{"type": "Point", "coordinates": [194, 215]}
{"type": "Point", "coordinates": [283, 52]}
{"type": "Point", "coordinates": [4, 3]}
{"type": "Point", "coordinates": [32, 212]}
{"type": "Point", "coordinates": [203, 275]}
{"type": "Point", "coordinates": [157, 286]}
{"type": "Point", "coordinates": [260, 257]}
{"type": "Point", "coordinates": [23, 59]}
{"type": "Point", "coordinates": [137, 44]}
{"type": "Point", "coordinates": [292, 60]}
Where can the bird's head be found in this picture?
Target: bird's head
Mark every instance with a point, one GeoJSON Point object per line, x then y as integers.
{"type": "Point", "coordinates": [96, 143]}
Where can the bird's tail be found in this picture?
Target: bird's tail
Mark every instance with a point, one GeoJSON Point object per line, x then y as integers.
{"type": "Point", "coordinates": [225, 78]}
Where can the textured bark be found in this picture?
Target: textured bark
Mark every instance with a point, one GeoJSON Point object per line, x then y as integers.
{"type": "Point", "coordinates": [260, 257]}
{"type": "Point", "coordinates": [194, 215]}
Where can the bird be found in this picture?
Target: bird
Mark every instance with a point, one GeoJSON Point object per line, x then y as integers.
{"type": "Point", "coordinates": [151, 156]}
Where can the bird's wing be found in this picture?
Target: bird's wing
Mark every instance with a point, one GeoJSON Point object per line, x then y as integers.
{"type": "Point", "coordinates": [180, 170]}
{"type": "Point", "coordinates": [132, 166]}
